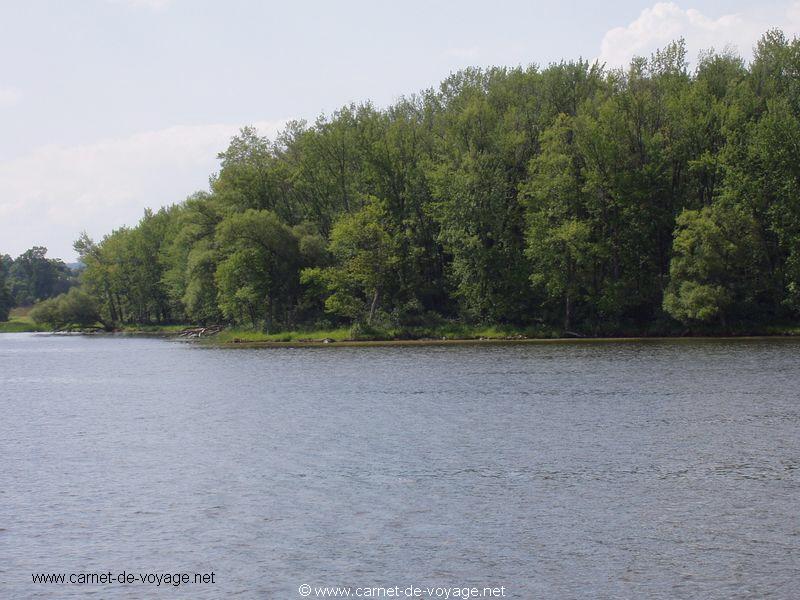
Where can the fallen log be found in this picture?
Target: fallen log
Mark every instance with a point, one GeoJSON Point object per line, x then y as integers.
{"type": "Point", "coordinates": [198, 332]}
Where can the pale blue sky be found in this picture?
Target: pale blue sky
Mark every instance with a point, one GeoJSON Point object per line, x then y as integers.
{"type": "Point", "coordinates": [108, 106]}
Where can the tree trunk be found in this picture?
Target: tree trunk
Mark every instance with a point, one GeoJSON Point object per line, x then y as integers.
{"type": "Point", "coordinates": [373, 306]}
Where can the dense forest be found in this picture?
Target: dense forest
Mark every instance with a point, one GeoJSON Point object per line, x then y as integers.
{"type": "Point", "coordinates": [650, 199]}
{"type": "Point", "coordinates": [32, 277]}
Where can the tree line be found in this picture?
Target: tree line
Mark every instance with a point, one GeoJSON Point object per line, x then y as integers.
{"type": "Point", "coordinates": [651, 198]}
{"type": "Point", "coordinates": [32, 277]}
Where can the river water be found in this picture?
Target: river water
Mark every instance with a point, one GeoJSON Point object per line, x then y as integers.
{"type": "Point", "coordinates": [574, 470]}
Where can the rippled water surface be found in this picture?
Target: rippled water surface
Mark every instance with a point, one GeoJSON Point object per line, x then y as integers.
{"type": "Point", "coordinates": [583, 470]}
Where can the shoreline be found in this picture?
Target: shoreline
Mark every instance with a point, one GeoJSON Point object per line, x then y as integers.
{"type": "Point", "coordinates": [210, 343]}
{"type": "Point", "coordinates": [333, 338]}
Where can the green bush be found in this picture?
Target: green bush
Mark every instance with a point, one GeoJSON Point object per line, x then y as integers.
{"type": "Point", "coordinates": [75, 308]}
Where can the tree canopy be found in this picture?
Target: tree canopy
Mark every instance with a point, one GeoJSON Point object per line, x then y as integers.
{"type": "Point", "coordinates": [32, 277]}
{"type": "Point", "coordinates": [596, 200]}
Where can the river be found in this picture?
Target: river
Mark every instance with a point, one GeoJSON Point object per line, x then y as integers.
{"type": "Point", "coordinates": [660, 469]}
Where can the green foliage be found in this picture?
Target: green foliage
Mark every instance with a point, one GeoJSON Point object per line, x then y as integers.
{"type": "Point", "coordinates": [74, 308]}
{"type": "Point", "coordinates": [257, 276]}
{"type": "Point", "coordinates": [46, 313]}
{"type": "Point", "coordinates": [690, 301]}
{"type": "Point", "coordinates": [32, 277]}
{"type": "Point", "coordinates": [126, 273]}
{"type": "Point", "coordinates": [718, 261]}
{"type": "Point", "coordinates": [560, 242]}
{"type": "Point", "coordinates": [365, 264]}
{"type": "Point", "coordinates": [6, 299]}
{"type": "Point", "coordinates": [191, 258]}
{"type": "Point", "coordinates": [568, 198]}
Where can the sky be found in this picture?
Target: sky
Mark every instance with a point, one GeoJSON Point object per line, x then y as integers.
{"type": "Point", "coordinates": [111, 106]}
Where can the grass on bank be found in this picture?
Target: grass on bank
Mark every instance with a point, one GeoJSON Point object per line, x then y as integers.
{"type": "Point", "coordinates": [458, 331]}
{"type": "Point", "coordinates": [250, 335]}
{"type": "Point", "coordinates": [19, 321]}
{"type": "Point", "coordinates": [450, 331]}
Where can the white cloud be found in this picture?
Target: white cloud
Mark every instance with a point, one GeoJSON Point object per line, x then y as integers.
{"type": "Point", "coordinates": [50, 195]}
{"type": "Point", "coordinates": [9, 97]}
{"type": "Point", "coordinates": [666, 21]}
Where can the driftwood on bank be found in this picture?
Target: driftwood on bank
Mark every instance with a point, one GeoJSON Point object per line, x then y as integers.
{"type": "Point", "coordinates": [199, 332]}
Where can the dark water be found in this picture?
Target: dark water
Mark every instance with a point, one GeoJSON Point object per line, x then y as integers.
{"type": "Point", "coordinates": [596, 470]}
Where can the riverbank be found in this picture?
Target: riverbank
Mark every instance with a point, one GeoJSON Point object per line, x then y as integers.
{"type": "Point", "coordinates": [478, 336]}
{"type": "Point", "coordinates": [451, 333]}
